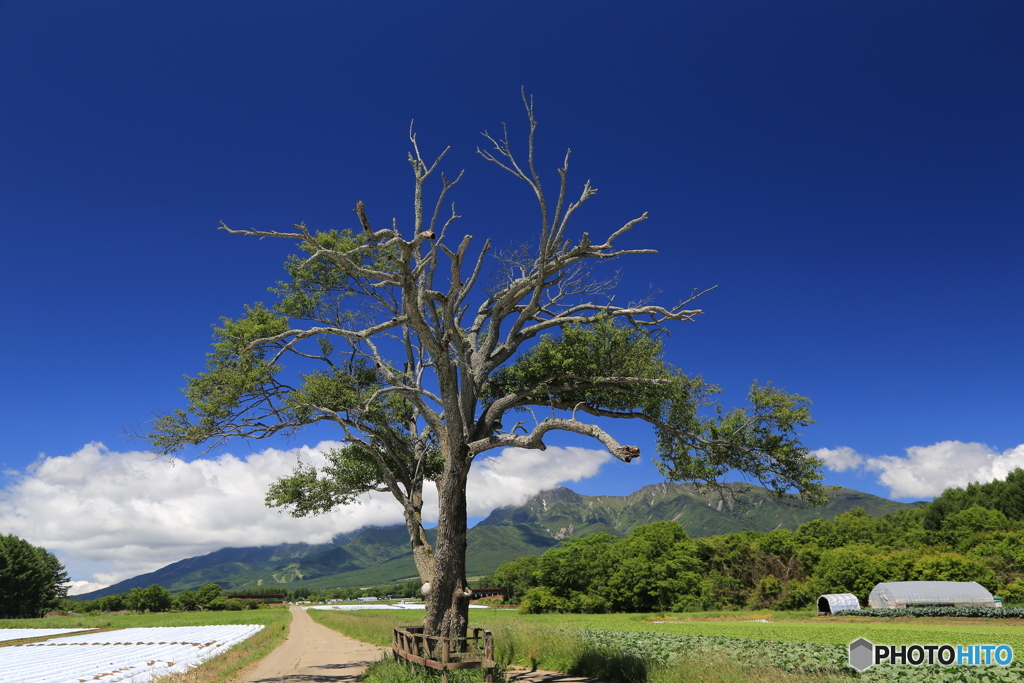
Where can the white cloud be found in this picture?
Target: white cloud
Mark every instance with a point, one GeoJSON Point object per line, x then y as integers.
{"type": "Point", "coordinates": [839, 459]}
{"type": "Point", "coordinates": [518, 473]}
{"type": "Point", "coordinates": [111, 515]}
{"type": "Point", "coordinates": [928, 470]}
{"type": "Point", "coordinates": [80, 587]}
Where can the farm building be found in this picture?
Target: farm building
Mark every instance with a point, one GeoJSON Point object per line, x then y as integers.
{"type": "Point", "coordinates": [835, 602]}
{"type": "Point", "coordinates": [933, 593]}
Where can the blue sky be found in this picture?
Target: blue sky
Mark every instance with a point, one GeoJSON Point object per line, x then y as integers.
{"type": "Point", "coordinates": [849, 176]}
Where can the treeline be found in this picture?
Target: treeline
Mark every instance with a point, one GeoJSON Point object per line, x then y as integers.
{"type": "Point", "coordinates": [156, 598]}
{"type": "Point", "coordinates": [397, 590]}
{"type": "Point", "coordinates": [32, 580]}
{"type": "Point", "coordinates": [212, 597]}
{"type": "Point", "coordinates": [973, 534]}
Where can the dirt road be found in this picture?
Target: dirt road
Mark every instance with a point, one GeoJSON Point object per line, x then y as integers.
{"type": "Point", "coordinates": [313, 654]}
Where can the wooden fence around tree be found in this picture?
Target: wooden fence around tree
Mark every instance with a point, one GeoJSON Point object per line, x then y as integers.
{"type": "Point", "coordinates": [475, 651]}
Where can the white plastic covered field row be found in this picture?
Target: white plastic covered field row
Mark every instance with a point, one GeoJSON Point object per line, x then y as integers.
{"type": "Point", "coordinates": [131, 655]}
{"type": "Point", "coordinates": [19, 633]}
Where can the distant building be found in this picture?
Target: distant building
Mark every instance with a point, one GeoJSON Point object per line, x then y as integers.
{"type": "Point", "coordinates": [369, 599]}
{"type": "Point", "coordinates": [485, 593]}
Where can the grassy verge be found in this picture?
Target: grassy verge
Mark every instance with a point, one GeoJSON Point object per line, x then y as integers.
{"type": "Point", "coordinates": [369, 626]}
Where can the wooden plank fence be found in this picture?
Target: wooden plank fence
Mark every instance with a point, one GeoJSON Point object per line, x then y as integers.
{"type": "Point", "coordinates": [475, 651]}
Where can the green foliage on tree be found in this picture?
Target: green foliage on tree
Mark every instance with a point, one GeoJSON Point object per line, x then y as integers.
{"type": "Point", "coordinates": [300, 594]}
{"type": "Point", "coordinates": [206, 594]}
{"type": "Point", "coordinates": [186, 601]}
{"type": "Point", "coordinates": [113, 603]}
{"type": "Point", "coordinates": [1003, 495]}
{"type": "Point", "coordinates": [154, 598]}
{"type": "Point", "coordinates": [388, 334]}
{"type": "Point", "coordinates": [516, 577]}
{"type": "Point", "coordinates": [32, 580]}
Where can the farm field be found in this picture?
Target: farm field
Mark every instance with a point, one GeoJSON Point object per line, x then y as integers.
{"type": "Point", "coordinates": [811, 648]}
{"type": "Point", "coordinates": [825, 630]}
{"type": "Point", "coordinates": [9, 634]}
{"type": "Point", "coordinates": [138, 655]}
{"type": "Point", "coordinates": [127, 620]}
{"type": "Point", "coordinates": [227, 641]}
{"type": "Point", "coordinates": [783, 627]}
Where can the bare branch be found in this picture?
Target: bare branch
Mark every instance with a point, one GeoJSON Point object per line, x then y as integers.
{"type": "Point", "coordinates": [534, 440]}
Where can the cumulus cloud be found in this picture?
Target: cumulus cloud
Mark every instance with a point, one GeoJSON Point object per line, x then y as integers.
{"type": "Point", "coordinates": [518, 473]}
{"type": "Point", "coordinates": [111, 515]}
{"type": "Point", "coordinates": [839, 459]}
{"type": "Point", "coordinates": [928, 470]}
{"type": "Point", "coordinates": [80, 587]}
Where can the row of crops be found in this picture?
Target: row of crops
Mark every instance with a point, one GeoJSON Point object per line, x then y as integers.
{"type": "Point", "coordinates": [974, 611]}
{"type": "Point", "coordinates": [662, 648]}
{"type": "Point", "coordinates": [138, 655]}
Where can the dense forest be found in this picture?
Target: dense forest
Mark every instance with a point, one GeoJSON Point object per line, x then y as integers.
{"type": "Point", "coordinates": [972, 534]}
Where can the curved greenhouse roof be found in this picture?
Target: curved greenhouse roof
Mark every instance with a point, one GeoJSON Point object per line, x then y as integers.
{"type": "Point", "coordinates": [945, 593]}
{"type": "Point", "coordinates": [835, 602]}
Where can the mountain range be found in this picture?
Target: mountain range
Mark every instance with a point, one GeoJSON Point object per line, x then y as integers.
{"type": "Point", "coordinates": [376, 555]}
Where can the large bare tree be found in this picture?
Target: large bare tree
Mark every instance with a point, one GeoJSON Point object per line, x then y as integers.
{"type": "Point", "coordinates": [391, 334]}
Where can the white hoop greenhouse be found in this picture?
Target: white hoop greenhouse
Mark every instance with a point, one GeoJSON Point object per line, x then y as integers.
{"type": "Point", "coordinates": [835, 602]}
{"type": "Point", "coordinates": [936, 593]}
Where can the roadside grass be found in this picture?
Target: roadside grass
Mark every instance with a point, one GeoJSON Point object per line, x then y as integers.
{"type": "Point", "coordinates": [369, 626]}
{"type": "Point", "coordinates": [220, 669]}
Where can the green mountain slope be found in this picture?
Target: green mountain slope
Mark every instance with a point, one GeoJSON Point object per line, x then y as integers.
{"type": "Point", "coordinates": [561, 512]}
{"type": "Point", "coordinates": [381, 555]}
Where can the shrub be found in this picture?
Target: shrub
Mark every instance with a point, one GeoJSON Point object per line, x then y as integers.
{"type": "Point", "coordinates": [540, 599]}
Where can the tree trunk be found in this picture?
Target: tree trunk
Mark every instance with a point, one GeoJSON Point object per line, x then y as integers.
{"type": "Point", "coordinates": [422, 553]}
{"type": "Point", "coordinates": [448, 596]}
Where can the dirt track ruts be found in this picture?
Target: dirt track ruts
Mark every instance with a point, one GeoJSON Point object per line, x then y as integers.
{"type": "Point", "coordinates": [313, 653]}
